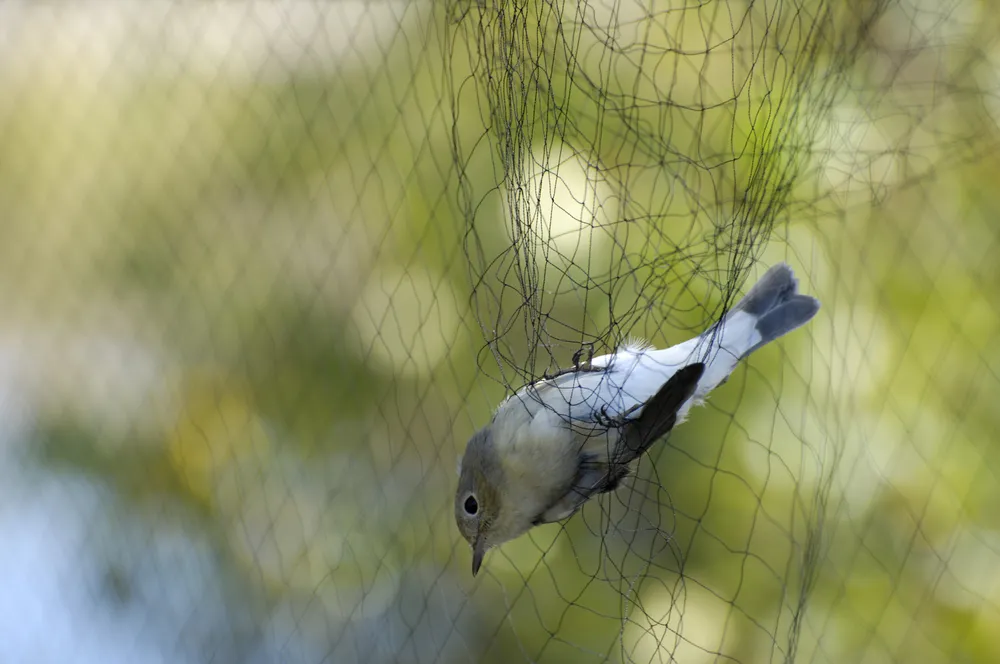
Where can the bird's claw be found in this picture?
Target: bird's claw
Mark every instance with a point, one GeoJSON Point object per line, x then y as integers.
{"type": "Point", "coordinates": [603, 419]}
{"type": "Point", "coordinates": [578, 356]}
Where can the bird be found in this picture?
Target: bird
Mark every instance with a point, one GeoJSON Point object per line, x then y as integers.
{"type": "Point", "coordinates": [564, 439]}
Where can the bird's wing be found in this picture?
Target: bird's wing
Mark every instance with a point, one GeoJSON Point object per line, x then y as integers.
{"type": "Point", "coordinates": [592, 478]}
{"type": "Point", "coordinates": [659, 414]}
{"type": "Point", "coordinates": [610, 387]}
{"type": "Point", "coordinates": [601, 470]}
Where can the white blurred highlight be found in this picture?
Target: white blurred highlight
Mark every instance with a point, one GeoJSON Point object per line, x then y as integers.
{"type": "Point", "coordinates": [687, 629]}
{"type": "Point", "coordinates": [249, 40]}
{"type": "Point", "coordinates": [567, 207]}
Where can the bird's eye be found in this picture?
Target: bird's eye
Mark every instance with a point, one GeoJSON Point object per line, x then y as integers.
{"type": "Point", "coordinates": [471, 506]}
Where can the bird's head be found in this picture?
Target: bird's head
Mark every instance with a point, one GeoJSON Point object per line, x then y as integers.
{"type": "Point", "coordinates": [478, 500]}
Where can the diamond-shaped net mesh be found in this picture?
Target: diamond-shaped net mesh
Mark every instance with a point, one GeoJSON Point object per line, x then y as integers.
{"type": "Point", "coordinates": [266, 266]}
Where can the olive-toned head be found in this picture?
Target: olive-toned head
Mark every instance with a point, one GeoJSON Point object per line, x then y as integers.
{"type": "Point", "coordinates": [477, 500]}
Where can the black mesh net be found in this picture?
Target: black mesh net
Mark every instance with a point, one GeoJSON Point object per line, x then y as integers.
{"type": "Point", "coordinates": [266, 267]}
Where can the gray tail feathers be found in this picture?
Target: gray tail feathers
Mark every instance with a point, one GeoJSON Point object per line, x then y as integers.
{"type": "Point", "coordinates": [777, 305]}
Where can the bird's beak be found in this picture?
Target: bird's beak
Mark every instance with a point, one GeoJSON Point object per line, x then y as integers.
{"type": "Point", "coordinates": [478, 550]}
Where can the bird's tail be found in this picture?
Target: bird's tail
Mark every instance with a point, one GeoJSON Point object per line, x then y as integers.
{"type": "Point", "coordinates": [776, 306]}
{"type": "Point", "coordinates": [771, 309]}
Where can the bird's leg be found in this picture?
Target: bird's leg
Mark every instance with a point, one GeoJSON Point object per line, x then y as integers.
{"type": "Point", "coordinates": [579, 363]}
{"type": "Point", "coordinates": [602, 418]}
{"type": "Point", "coordinates": [578, 355]}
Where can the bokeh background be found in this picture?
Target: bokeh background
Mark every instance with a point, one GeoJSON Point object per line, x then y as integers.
{"type": "Point", "coordinates": [265, 266]}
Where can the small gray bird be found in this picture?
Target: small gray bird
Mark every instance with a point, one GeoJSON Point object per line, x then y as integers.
{"type": "Point", "coordinates": [561, 440]}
